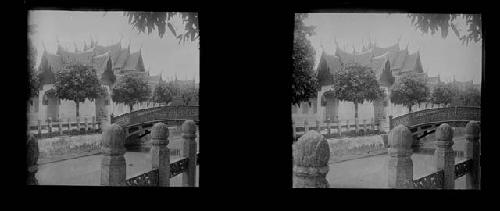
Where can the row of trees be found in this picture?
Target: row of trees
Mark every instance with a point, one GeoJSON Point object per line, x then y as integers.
{"type": "Point", "coordinates": [79, 82]}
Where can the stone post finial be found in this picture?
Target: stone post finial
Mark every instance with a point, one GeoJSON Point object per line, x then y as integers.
{"type": "Point", "coordinates": [190, 150]}
{"type": "Point", "coordinates": [311, 154]}
{"type": "Point", "coordinates": [444, 155]}
{"type": "Point", "coordinates": [160, 154]}
{"type": "Point", "coordinates": [113, 166]}
{"type": "Point", "coordinates": [400, 164]}
{"type": "Point", "coordinates": [473, 151]}
{"type": "Point", "coordinates": [32, 159]}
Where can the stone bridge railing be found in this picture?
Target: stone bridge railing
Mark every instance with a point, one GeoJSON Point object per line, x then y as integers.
{"type": "Point", "coordinates": [437, 115]}
{"type": "Point", "coordinates": [113, 165]}
{"type": "Point", "coordinates": [157, 114]}
{"type": "Point", "coordinates": [311, 155]}
{"type": "Point", "coordinates": [400, 164]}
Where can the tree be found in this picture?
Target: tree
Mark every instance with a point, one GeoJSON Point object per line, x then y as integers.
{"type": "Point", "coordinates": [77, 83]}
{"type": "Point", "coordinates": [442, 94]}
{"type": "Point", "coordinates": [143, 21]}
{"type": "Point", "coordinates": [467, 97]}
{"type": "Point", "coordinates": [410, 89]}
{"type": "Point", "coordinates": [34, 83]}
{"type": "Point", "coordinates": [356, 83]}
{"type": "Point", "coordinates": [434, 22]}
{"type": "Point", "coordinates": [162, 94]}
{"type": "Point", "coordinates": [304, 81]}
{"type": "Point", "coordinates": [189, 95]}
{"type": "Point", "coordinates": [324, 76]}
{"type": "Point", "coordinates": [131, 89]}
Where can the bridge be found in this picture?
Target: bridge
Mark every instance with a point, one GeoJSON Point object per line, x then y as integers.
{"type": "Point", "coordinates": [138, 123]}
{"type": "Point", "coordinates": [425, 122]}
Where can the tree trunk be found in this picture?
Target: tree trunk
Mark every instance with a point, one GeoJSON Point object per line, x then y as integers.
{"type": "Point", "coordinates": [77, 109]}
{"type": "Point", "coordinates": [356, 121]}
{"type": "Point", "coordinates": [409, 109]}
{"type": "Point", "coordinates": [131, 106]}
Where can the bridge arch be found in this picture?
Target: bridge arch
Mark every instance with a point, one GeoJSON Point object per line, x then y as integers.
{"type": "Point", "coordinates": [425, 122]}
{"type": "Point", "coordinates": [139, 123]}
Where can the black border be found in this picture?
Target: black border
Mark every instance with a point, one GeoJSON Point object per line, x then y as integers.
{"type": "Point", "coordinates": [244, 63]}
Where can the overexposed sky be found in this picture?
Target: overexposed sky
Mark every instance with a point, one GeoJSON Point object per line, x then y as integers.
{"type": "Point", "coordinates": [161, 55]}
{"type": "Point", "coordinates": [447, 57]}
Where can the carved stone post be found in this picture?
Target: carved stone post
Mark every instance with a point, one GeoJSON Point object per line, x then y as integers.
{"type": "Point", "coordinates": [160, 154]}
{"type": "Point", "coordinates": [444, 156]}
{"type": "Point", "coordinates": [113, 166]}
{"type": "Point", "coordinates": [305, 126]}
{"type": "Point", "coordinates": [69, 124]}
{"type": "Point", "coordinates": [318, 126]}
{"type": "Point", "coordinates": [39, 128]}
{"type": "Point", "coordinates": [60, 127]}
{"type": "Point", "coordinates": [400, 164]}
{"type": "Point", "coordinates": [339, 127]}
{"type": "Point", "coordinates": [373, 124]}
{"type": "Point", "coordinates": [473, 151]}
{"type": "Point", "coordinates": [49, 125]}
{"type": "Point", "coordinates": [310, 161]}
{"type": "Point", "coordinates": [190, 147]}
{"type": "Point", "coordinates": [32, 160]}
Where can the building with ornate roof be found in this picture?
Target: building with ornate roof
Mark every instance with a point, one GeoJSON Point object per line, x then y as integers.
{"type": "Point", "coordinates": [388, 64]}
{"type": "Point", "coordinates": [110, 62]}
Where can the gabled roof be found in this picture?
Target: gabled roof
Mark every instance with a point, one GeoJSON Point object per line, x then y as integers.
{"type": "Point", "coordinates": [122, 58]}
{"type": "Point", "coordinates": [99, 62]}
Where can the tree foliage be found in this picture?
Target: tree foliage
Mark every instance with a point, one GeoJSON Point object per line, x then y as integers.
{"type": "Point", "coordinates": [443, 22]}
{"type": "Point", "coordinates": [410, 89]}
{"type": "Point", "coordinates": [442, 94]}
{"type": "Point", "coordinates": [471, 97]}
{"type": "Point", "coordinates": [324, 75]}
{"type": "Point", "coordinates": [149, 21]}
{"type": "Point", "coordinates": [77, 83]}
{"type": "Point", "coordinates": [162, 94]}
{"type": "Point", "coordinates": [131, 89]}
{"type": "Point", "coordinates": [304, 81]}
{"type": "Point", "coordinates": [34, 83]}
{"type": "Point", "coordinates": [468, 96]}
{"type": "Point", "coordinates": [356, 83]}
{"type": "Point", "coordinates": [189, 95]}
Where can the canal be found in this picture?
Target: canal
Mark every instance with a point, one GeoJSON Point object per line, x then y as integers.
{"type": "Point", "coordinates": [86, 170]}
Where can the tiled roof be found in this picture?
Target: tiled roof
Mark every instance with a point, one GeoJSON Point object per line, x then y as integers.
{"type": "Point", "coordinates": [376, 59]}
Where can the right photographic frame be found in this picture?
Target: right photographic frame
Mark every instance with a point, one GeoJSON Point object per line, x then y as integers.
{"type": "Point", "coordinates": [387, 100]}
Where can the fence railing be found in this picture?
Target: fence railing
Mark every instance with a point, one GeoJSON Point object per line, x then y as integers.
{"type": "Point", "coordinates": [113, 165]}
{"type": "Point", "coordinates": [400, 164]}
{"type": "Point", "coordinates": [335, 127]}
{"type": "Point", "coordinates": [51, 128]}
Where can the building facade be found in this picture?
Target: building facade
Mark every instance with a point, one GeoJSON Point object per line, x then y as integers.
{"type": "Point", "coordinates": [112, 61]}
{"type": "Point", "coordinates": [388, 64]}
